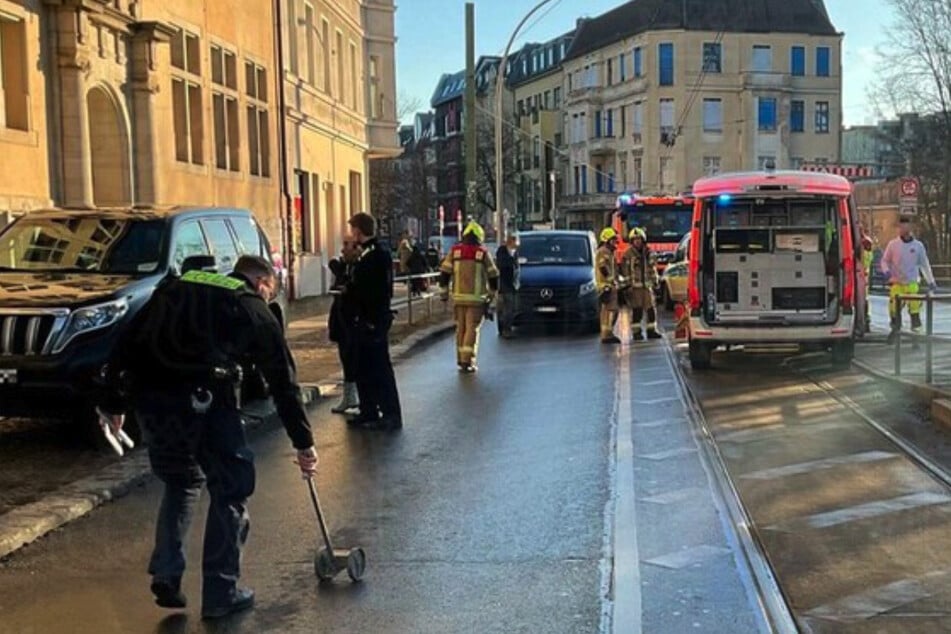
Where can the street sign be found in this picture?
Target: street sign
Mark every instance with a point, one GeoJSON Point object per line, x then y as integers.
{"type": "Point", "coordinates": [908, 186]}
{"type": "Point", "coordinates": [908, 210]}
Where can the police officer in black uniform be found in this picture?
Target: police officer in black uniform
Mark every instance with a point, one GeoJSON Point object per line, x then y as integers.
{"type": "Point", "coordinates": [180, 367]}
{"type": "Point", "coordinates": [371, 291]}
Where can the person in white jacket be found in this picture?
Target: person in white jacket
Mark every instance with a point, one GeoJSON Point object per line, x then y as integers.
{"type": "Point", "coordinates": [905, 261]}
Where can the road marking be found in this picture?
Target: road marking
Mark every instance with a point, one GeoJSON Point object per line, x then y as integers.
{"type": "Point", "coordinates": [626, 581]}
{"type": "Point", "coordinates": [755, 434]}
{"type": "Point", "coordinates": [670, 453]}
{"type": "Point", "coordinates": [655, 401]}
{"type": "Point", "coordinates": [865, 511]}
{"type": "Point", "coordinates": [674, 497]}
{"type": "Point", "coordinates": [662, 422]}
{"type": "Point", "coordinates": [816, 465]}
{"type": "Point", "coordinates": [864, 605]}
{"type": "Point", "coordinates": [683, 558]}
{"type": "Point", "coordinates": [652, 383]}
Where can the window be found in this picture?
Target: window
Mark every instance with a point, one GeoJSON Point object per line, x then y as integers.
{"type": "Point", "coordinates": [796, 162]}
{"type": "Point", "coordinates": [311, 38]}
{"type": "Point", "coordinates": [637, 62]}
{"type": "Point", "coordinates": [376, 97]}
{"type": "Point", "coordinates": [598, 180]}
{"type": "Point", "coordinates": [621, 68]}
{"type": "Point", "coordinates": [822, 117]}
{"type": "Point", "coordinates": [712, 115]}
{"type": "Point", "coordinates": [767, 114]}
{"type": "Point", "coordinates": [610, 72]}
{"type": "Point", "coordinates": [258, 131]}
{"type": "Point", "coordinates": [762, 59]}
{"type": "Point", "coordinates": [797, 116]}
{"type": "Point", "coordinates": [224, 97]}
{"type": "Point", "coordinates": [711, 165]}
{"type": "Point", "coordinates": [536, 152]}
{"type": "Point", "coordinates": [665, 54]}
{"type": "Point", "coordinates": [355, 102]}
{"type": "Point", "coordinates": [556, 97]}
{"type": "Point", "coordinates": [338, 51]}
{"type": "Point", "coordinates": [547, 104]}
{"type": "Point", "coordinates": [14, 86]}
{"type": "Point", "coordinates": [638, 174]}
{"type": "Point", "coordinates": [597, 124]}
{"type": "Point", "coordinates": [822, 61]}
{"type": "Point", "coordinates": [189, 241]}
{"type": "Point", "coordinates": [637, 122]}
{"type": "Point", "coordinates": [222, 245]}
{"type": "Point", "coordinates": [584, 179]}
{"type": "Point", "coordinates": [797, 61]}
{"type": "Point", "coordinates": [186, 98]}
{"type": "Point", "coordinates": [609, 122]}
{"type": "Point", "coordinates": [666, 115]}
{"type": "Point", "coordinates": [622, 119]}
{"type": "Point", "coordinates": [249, 236]}
{"type": "Point", "coordinates": [577, 172]}
{"type": "Point", "coordinates": [712, 57]}
{"type": "Point", "coordinates": [764, 162]}
{"type": "Point", "coordinates": [325, 53]}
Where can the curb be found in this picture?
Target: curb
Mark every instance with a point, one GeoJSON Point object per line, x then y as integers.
{"type": "Point", "coordinates": [919, 389]}
{"type": "Point", "coordinates": [25, 524]}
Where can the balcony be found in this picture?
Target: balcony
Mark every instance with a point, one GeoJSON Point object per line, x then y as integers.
{"type": "Point", "coordinates": [383, 138]}
{"type": "Point", "coordinates": [586, 202]}
{"type": "Point", "coordinates": [602, 146]}
{"type": "Point", "coordinates": [591, 95]}
{"type": "Point", "coordinates": [773, 81]}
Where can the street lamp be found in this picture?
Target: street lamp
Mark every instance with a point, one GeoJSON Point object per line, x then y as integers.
{"type": "Point", "coordinates": [499, 85]}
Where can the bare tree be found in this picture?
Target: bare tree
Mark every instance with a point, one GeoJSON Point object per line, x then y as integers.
{"type": "Point", "coordinates": [485, 162]}
{"type": "Point", "coordinates": [407, 106]}
{"type": "Point", "coordinates": [915, 77]}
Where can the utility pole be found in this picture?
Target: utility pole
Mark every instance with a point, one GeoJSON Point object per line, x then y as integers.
{"type": "Point", "coordinates": [469, 123]}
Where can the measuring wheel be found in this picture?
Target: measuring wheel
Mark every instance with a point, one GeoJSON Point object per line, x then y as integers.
{"type": "Point", "coordinates": [356, 564]}
{"type": "Point", "coordinates": [324, 565]}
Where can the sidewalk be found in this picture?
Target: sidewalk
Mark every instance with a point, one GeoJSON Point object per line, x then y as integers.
{"type": "Point", "coordinates": [318, 371]}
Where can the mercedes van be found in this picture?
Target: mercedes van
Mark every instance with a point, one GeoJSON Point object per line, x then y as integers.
{"type": "Point", "coordinates": [774, 260]}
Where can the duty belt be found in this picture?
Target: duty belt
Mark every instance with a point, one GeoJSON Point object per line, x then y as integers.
{"type": "Point", "coordinates": [202, 397]}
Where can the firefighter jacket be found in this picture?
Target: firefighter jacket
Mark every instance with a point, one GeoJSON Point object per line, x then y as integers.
{"type": "Point", "coordinates": [605, 268]}
{"type": "Point", "coordinates": [639, 268]}
{"type": "Point", "coordinates": [472, 273]}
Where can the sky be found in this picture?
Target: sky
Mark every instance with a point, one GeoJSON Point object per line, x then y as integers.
{"type": "Point", "coordinates": [431, 40]}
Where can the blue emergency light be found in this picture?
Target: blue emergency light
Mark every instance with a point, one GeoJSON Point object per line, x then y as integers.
{"type": "Point", "coordinates": [724, 199]}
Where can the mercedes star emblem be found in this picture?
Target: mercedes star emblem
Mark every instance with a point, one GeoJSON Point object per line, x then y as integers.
{"type": "Point", "coordinates": [547, 293]}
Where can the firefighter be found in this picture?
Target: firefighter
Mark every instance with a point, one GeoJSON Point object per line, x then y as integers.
{"type": "Point", "coordinates": [867, 257]}
{"type": "Point", "coordinates": [639, 270]}
{"type": "Point", "coordinates": [606, 278]}
{"type": "Point", "coordinates": [473, 276]}
{"type": "Point", "coordinates": [904, 262]}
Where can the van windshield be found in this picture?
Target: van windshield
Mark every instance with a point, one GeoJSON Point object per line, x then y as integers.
{"type": "Point", "coordinates": [107, 245]}
{"type": "Point", "coordinates": [536, 250]}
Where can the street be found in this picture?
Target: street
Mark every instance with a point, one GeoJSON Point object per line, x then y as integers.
{"type": "Point", "coordinates": [563, 488]}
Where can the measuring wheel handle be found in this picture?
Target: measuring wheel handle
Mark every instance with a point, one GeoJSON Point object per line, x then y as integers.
{"type": "Point", "coordinates": [356, 564]}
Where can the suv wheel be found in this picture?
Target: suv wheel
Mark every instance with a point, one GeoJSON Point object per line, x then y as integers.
{"type": "Point", "coordinates": [842, 352]}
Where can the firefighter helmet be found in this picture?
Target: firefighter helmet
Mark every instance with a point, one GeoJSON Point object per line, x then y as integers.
{"type": "Point", "coordinates": [637, 232]}
{"type": "Point", "coordinates": [475, 229]}
{"type": "Point", "coordinates": [608, 234]}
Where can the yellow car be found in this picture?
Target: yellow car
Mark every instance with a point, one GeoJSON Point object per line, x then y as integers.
{"type": "Point", "coordinates": [673, 281]}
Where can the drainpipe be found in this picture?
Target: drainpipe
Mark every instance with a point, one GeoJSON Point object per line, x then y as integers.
{"type": "Point", "coordinates": [285, 195]}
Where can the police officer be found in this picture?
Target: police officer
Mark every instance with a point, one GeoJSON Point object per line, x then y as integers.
{"type": "Point", "coordinates": [474, 278]}
{"type": "Point", "coordinates": [606, 279]}
{"type": "Point", "coordinates": [340, 324]}
{"type": "Point", "coordinates": [371, 291]}
{"type": "Point", "coordinates": [180, 366]}
{"type": "Point", "coordinates": [639, 269]}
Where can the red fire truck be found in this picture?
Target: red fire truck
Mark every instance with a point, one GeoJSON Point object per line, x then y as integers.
{"type": "Point", "coordinates": [665, 219]}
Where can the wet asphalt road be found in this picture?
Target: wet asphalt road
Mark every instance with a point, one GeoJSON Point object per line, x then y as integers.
{"type": "Point", "coordinates": [485, 515]}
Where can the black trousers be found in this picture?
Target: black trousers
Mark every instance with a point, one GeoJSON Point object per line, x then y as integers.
{"type": "Point", "coordinates": [376, 382]}
{"type": "Point", "coordinates": [188, 450]}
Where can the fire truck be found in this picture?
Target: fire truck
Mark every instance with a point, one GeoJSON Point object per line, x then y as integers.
{"type": "Point", "coordinates": [665, 219]}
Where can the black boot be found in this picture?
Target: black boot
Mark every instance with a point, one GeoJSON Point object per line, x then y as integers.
{"type": "Point", "coordinates": [168, 594]}
{"type": "Point", "coordinates": [653, 334]}
{"type": "Point", "coordinates": [915, 322]}
{"type": "Point", "coordinates": [638, 335]}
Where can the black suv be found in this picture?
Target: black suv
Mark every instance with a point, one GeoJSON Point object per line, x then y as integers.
{"type": "Point", "coordinates": [69, 279]}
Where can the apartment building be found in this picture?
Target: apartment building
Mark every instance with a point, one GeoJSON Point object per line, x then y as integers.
{"type": "Point", "coordinates": [448, 103]}
{"type": "Point", "coordinates": [340, 95]}
{"type": "Point", "coordinates": [109, 103]}
{"type": "Point", "coordinates": [658, 94]}
{"type": "Point", "coordinates": [535, 81]}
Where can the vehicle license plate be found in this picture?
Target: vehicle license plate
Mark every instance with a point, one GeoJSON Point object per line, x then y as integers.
{"type": "Point", "coordinates": [546, 309]}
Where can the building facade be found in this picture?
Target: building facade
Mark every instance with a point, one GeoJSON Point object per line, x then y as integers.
{"type": "Point", "coordinates": [340, 95]}
{"type": "Point", "coordinates": [535, 83]}
{"type": "Point", "coordinates": [109, 103]}
{"type": "Point", "coordinates": [690, 89]}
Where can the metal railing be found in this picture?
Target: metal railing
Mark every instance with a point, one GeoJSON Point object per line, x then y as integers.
{"type": "Point", "coordinates": [928, 336]}
{"type": "Point", "coordinates": [411, 298]}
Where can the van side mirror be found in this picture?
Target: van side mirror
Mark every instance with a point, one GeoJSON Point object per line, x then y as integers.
{"type": "Point", "coordinates": [199, 263]}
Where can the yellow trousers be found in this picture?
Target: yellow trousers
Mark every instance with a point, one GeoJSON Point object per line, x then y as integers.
{"type": "Point", "coordinates": [914, 305]}
{"type": "Point", "coordinates": [468, 321]}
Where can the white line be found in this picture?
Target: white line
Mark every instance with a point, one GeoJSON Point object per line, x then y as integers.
{"type": "Point", "coordinates": [627, 574]}
{"type": "Point", "coordinates": [864, 605]}
{"type": "Point", "coordinates": [815, 465]}
{"type": "Point", "coordinates": [655, 401]}
{"type": "Point", "coordinates": [865, 511]}
{"type": "Point", "coordinates": [651, 383]}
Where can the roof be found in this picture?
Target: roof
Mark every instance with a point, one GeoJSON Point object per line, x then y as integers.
{"type": "Point", "coordinates": [733, 16]}
{"type": "Point", "coordinates": [558, 48]}
{"type": "Point", "coordinates": [452, 86]}
{"type": "Point", "coordinates": [784, 181]}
